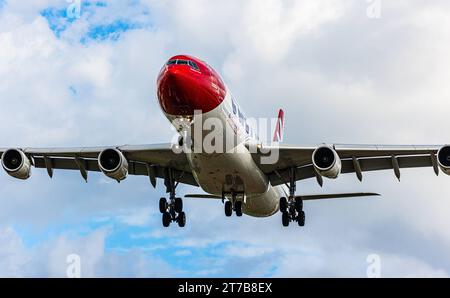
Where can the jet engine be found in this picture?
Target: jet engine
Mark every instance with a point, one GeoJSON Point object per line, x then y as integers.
{"type": "Point", "coordinates": [443, 158]}
{"type": "Point", "coordinates": [16, 164]}
{"type": "Point", "coordinates": [113, 164]}
{"type": "Point", "coordinates": [326, 161]}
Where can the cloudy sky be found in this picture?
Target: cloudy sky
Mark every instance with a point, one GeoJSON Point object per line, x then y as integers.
{"type": "Point", "coordinates": [344, 71]}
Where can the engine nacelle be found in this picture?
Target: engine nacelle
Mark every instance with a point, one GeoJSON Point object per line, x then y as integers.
{"type": "Point", "coordinates": [443, 157]}
{"type": "Point", "coordinates": [326, 161]}
{"type": "Point", "coordinates": [113, 164]}
{"type": "Point", "coordinates": [16, 164]}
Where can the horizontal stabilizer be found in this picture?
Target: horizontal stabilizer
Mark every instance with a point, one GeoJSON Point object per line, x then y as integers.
{"type": "Point", "coordinates": [337, 196]}
{"type": "Point", "coordinates": [203, 196]}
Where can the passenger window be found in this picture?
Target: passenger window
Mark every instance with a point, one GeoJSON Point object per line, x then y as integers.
{"type": "Point", "coordinates": [241, 118]}
{"type": "Point", "coordinates": [234, 107]}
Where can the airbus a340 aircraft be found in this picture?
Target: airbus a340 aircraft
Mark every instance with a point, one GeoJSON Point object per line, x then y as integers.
{"type": "Point", "coordinates": [239, 177]}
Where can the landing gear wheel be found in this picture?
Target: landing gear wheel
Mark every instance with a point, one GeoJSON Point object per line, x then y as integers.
{"type": "Point", "coordinates": [162, 205]}
{"type": "Point", "coordinates": [228, 208]}
{"type": "Point", "coordinates": [171, 209]}
{"type": "Point", "coordinates": [180, 141]}
{"type": "Point", "coordinates": [285, 219]}
{"type": "Point", "coordinates": [238, 208]}
{"type": "Point", "coordinates": [181, 219]}
{"type": "Point", "coordinates": [166, 219]}
{"type": "Point", "coordinates": [283, 205]}
{"type": "Point", "coordinates": [301, 219]}
{"type": "Point", "coordinates": [298, 205]}
{"type": "Point", "coordinates": [178, 205]}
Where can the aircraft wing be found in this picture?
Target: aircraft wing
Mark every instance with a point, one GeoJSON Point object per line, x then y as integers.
{"type": "Point", "coordinates": [355, 159]}
{"type": "Point", "coordinates": [145, 160]}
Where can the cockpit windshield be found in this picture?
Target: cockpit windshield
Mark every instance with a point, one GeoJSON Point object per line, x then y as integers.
{"type": "Point", "coordinates": [192, 64]}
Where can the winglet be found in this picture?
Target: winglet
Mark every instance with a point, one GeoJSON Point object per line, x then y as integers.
{"type": "Point", "coordinates": [279, 129]}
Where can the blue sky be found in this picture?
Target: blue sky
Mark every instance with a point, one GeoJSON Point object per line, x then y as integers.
{"type": "Point", "coordinates": [91, 81]}
{"type": "Point", "coordinates": [60, 18]}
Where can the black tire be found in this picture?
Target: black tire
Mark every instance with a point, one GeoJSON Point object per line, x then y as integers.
{"type": "Point", "coordinates": [166, 219]}
{"type": "Point", "coordinates": [301, 219]}
{"type": "Point", "coordinates": [228, 208]}
{"type": "Point", "coordinates": [182, 220]}
{"type": "Point", "coordinates": [285, 219]}
{"type": "Point", "coordinates": [162, 205]}
{"type": "Point", "coordinates": [299, 205]}
{"type": "Point", "coordinates": [238, 208]}
{"type": "Point", "coordinates": [178, 205]}
{"type": "Point", "coordinates": [283, 205]}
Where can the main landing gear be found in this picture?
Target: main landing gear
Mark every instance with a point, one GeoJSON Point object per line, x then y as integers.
{"type": "Point", "coordinates": [172, 210]}
{"type": "Point", "coordinates": [292, 208]}
{"type": "Point", "coordinates": [233, 205]}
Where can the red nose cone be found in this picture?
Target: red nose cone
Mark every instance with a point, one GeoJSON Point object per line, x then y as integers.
{"type": "Point", "coordinates": [183, 89]}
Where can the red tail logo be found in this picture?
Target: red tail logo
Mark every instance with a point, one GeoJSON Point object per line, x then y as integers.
{"type": "Point", "coordinates": [279, 130]}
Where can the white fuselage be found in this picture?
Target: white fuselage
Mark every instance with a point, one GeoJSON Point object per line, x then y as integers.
{"type": "Point", "coordinates": [221, 172]}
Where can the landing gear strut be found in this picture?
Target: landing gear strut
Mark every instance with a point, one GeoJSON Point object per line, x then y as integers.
{"type": "Point", "coordinates": [233, 205]}
{"type": "Point", "coordinates": [292, 208]}
{"type": "Point", "coordinates": [172, 210]}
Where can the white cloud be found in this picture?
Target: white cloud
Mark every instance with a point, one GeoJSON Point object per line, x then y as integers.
{"type": "Point", "coordinates": [140, 217]}
{"type": "Point", "coordinates": [182, 253]}
{"type": "Point", "coordinates": [246, 251]}
{"type": "Point", "coordinates": [12, 256]}
{"type": "Point", "coordinates": [399, 266]}
{"type": "Point", "coordinates": [50, 258]}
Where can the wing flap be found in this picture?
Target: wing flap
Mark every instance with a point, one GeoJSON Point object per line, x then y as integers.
{"type": "Point", "coordinates": [140, 169]}
{"type": "Point", "coordinates": [134, 168]}
{"type": "Point", "coordinates": [66, 164]}
{"type": "Point", "coordinates": [385, 163]}
{"type": "Point", "coordinates": [367, 165]}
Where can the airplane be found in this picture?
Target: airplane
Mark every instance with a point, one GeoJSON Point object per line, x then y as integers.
{"type": "Point", "coordinates": [189, 89]}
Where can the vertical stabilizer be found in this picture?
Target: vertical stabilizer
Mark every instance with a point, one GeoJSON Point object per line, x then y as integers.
{"type": "Point", "coordinates": [279, 129]}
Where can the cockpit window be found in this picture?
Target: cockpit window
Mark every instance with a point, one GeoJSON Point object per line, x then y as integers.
{"type": "Point", "coordinates": [194, 65]}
